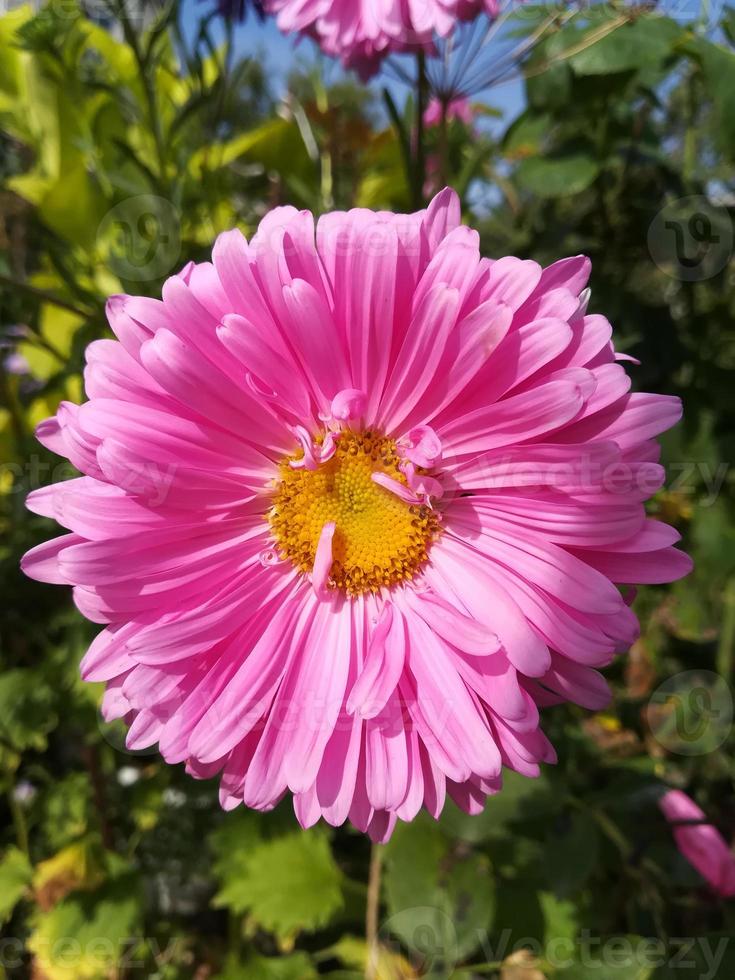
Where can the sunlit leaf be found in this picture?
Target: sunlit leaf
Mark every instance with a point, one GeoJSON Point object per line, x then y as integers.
{"type": "Point", "coordinates": [15, 877]}
{"type": "Point", "coordinates": [87, 934]}
{"type": "Point", "coordinates": [288, 884]}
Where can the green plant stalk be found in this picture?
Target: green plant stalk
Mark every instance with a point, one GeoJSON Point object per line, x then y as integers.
{"type": "Point", "coordinates": [372, 913]}
{"type": "Point", "coordinates": [422, 90]}
{"type": "Point", "coordinates": [149, 90]}
{"type": "Point", "coordinates": [726, 645]}
{"type": "Point", "coordinates": [404, 138]}
{"type": "Point", "coordinates": [44, 297]}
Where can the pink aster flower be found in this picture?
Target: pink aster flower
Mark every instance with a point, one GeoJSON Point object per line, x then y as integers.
{"type": "Point", "coordinates": [362, 32]}
{"type": "Point", "coordinates": [353, 504]}
{"type": "Point", "coordinates": [700, 842]}
{"type": "Point", "coordinates": [458, 109]}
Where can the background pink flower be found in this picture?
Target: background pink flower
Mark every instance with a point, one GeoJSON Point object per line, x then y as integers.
{"type": "Point", "coordinates": [354, 505]}
{"type": "Point", "coordinates": [362, 32]}
{"type": "Point", "coordinates": [701, 843]}
{"type": "Point", "coordinates": [458, 109]}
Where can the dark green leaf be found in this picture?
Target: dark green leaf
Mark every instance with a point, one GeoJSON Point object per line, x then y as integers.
{"type": "Point", "coordinates": [557, 176]}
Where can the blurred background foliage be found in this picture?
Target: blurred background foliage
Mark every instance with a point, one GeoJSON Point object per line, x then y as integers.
{"type": "Point", "coordinates": [126, 144]}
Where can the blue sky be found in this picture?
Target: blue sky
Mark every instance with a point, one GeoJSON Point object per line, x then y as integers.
{"type": "Point", "coordinates": [265, 41]}
{"type": "Point", "coordinates": [278, 52]}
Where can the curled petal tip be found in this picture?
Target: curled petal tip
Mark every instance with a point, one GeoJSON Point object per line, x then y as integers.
{"type": "Point", "coordinates": [348, 404]}
{"type": "Point", "coordinates": [323, 561]}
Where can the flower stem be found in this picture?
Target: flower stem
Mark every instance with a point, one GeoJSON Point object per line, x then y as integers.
{"type": "Point", "coordinates": [372, 915]}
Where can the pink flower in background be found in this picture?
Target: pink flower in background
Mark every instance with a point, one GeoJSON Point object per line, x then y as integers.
{"type": "Point", "coordinates": [362, 32]}
{"type": "Point", "coordinates": [701, 844]}
{"type": "Point", "coordinates": [353, 504]}
{"type": "Point", "coordinates": [458, 109]}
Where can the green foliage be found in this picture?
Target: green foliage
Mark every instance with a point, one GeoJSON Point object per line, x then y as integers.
{"type": "Point", "coordinates": [86, 935]}
{"type": "Point", "coordinates": [288, 884]}
{"type": "Point", "coordinates": [123, 152]}
{"type": "Point", "coordinates": [552, 176]}
{"type": "Point", "coordinates": [436, 889]}
{"type": "Point", "coordinates": [15, 877]}
{"type": "Point", "coordinates": [25, 711]}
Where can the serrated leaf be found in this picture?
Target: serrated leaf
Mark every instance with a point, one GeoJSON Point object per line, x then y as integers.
{"type": "Point", "coordinates": [561, 919]}
{"type": "Point", "coordinates": [288, 885]}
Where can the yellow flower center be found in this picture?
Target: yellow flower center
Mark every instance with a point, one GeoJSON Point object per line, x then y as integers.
{"type": "Point", "coordinates": [379, 540]}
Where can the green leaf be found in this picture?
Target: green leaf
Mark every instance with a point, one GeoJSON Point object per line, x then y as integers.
{"type": "Point", "coordinates": [728, 23]}
{"type": "Point", "coordinates": [15, 877]}
{"type": "Point", "coordinates": [11, 58]}
{"type": "Point", "coordinates": [440, 899]}
{"type": "Point", "coordinates": [355, 954]}
{"type": "Point", "coordinates": [548, 76]}
{"type": "Point", "coordinates": [711, 956]}
{"type": "Point", "coordinates": [561, 919]}
{"type": "Point", "coordinates": [640, 44]}
{"type": "Point", "coordinates": [572, 854]}
{"type": "Point", "coordinates": [622, 958]}
{"type": "Point", "coordinates": [557, 176]}
{"type": "Point", "coordinates": [66, 809]}
{"type": "Point", "coordinates": [86, 935]}
{"type": "Point", "coordinates": [26, 714]}
{"type": "Point", "coordinates": [718, 67]}
{"type": "Point", "coordinates": [58, 327]}
{"type": "Point", "coordinates": [298, 966]}
{"type": "Point", "coordinates": [288, 885]}
{"type": "Point", "coordinates": [519, 798]}
{"type": "Point", "coordinates": [276, 145]}
{"type": "Point", "coordinates": [526, 134]}
{"type": "Point", "coordinates": [74, 206]}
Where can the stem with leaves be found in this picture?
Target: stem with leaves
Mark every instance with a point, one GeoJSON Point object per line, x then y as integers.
{"type": "Point", "coordinates": [146, 70]}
